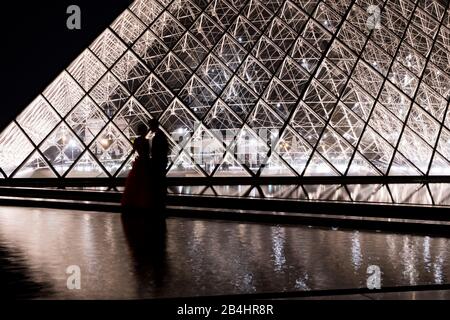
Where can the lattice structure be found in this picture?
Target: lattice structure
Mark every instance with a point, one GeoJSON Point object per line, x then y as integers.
{"type": "Point", "coordinates": [250, 88]}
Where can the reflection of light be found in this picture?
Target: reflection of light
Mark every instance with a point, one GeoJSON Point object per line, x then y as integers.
{"type": "Point", "coordinates": [438, 274]}
{"type": "Point", "coordinates": [104, 142]}
{"type": "Point", "coordinates": [72, 143]}
{"type": "Point", "coordinates": [278, 242]}
{"type": "Point", "coordinates": [426, 252]}
{"type": "Point", "coordinates": [356, 250]}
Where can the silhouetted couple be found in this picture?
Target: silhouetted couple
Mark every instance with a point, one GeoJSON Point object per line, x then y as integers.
{"type": "Point", "coordinates": [145, 187]}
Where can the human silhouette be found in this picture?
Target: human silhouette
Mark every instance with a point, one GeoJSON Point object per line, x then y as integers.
{"type": "Point", "coordinates": [138, 196]}
{"type": "Point", "coordinates": [146, 238]}
{"type": "Point", "coordinates": [159, 161]}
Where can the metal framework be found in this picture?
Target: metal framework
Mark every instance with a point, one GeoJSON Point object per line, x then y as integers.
{"type": "Point", "coordinates": [250, 88]}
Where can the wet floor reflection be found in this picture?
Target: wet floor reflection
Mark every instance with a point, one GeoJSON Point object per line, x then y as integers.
{"type": "Point", "coordinates": [124, 259]}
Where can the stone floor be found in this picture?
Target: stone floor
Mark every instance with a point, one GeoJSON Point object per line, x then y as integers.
{"type": "Point", "coordinates": [127, 259]}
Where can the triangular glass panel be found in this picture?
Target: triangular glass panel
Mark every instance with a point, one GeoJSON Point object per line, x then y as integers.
{"type": "Point", "coordinates": [230, 167]}
{"type": "Point", "coordinates": [222, 12]}
{"type": "Point", "coordinates": [63, 93]}
{"type": "Point", "coordinates": [108, 48]}
{"type": "Point", "coordinates": [154, 96]}
{"type": "Point", "coordinates": [319, 167]}
{"type": "Point", "coordinates": [224, 123]}
{"type": "Point", "coordinates": [206, 151]}
{"type": "Point", "coordinates": [184, 11]}
{"type": "Point", "coordinates": [423, 124]}
{"type": "Point", "coordinates": [294, 150]}
{"type": "Point", "coordinates": [280, 98]}
{"type": "Point", "coordinates": [264, 118]}
{"type": "Point", "coordinates": [347, 124]}
{"type": "Point", "coordinates": [276, 167]}
{"type": "Point", "coordinates": [357, 100]}
{"type": "Point", "coordinates": [293, 16]}
{"type": "Point", "coordinates": [401, 167]}
{"type": "Point", "coordinates": [415, 150]}
{"type": "Point", "coordinates": [146, 10]}
{"type": "Point", "coordinates": [130, 71]}
{"type": "Point", "coordinates": [331, 77]}
{"type": "Point", "coordinates": [35, 167]}
{"type": "Point", "coordinates": [86, 167]}
{"type": "Point", "coordinates": [440, 193]}
{"type": "Point", "coordinates": [190, 51]}
{"type": "Point", "coordinates": [14, 148]}
{"type": "Point", "coordinates": [250, 150]}
{"type": "Point", "coordinates": [86, 120]}
{"type": "Point", "coordinates": [230, 51]}
{"type": "Point", "coordinates": [111, 148]}
{"type": "Point", "coordinates": [150, 49]}
{"type": "Point", "coordinates": [293, 76]}
{"type": "Point", "coordinates": [320, 100]}
{"type": "Point", "coordinates": [197, 96]}
{"type": "Point", "coordinates": [254, 74]}
{"type": "Point", "coordinates": [439, 166]}
{"type": "Point", "coordinates": [184, 166]}
{"type": "Point", "coordinates": [174, 72]}
{"type": "Point", "coordinates": [361, 167]}
{"type": "Point", "coordinates": [239, 98]}
{"type": "Point", "coordinates": [87, 70]}
{"type": "Point", "coordinates": [376, 150]}
{"type": "Point", "coordinates": [179, 122]}
{"type": "Point", "coordinates": [214, 73]}
{"type": "Point", "coordinates": [335, 149]}
{"type": "Point", "coordinates": [38, 120]}
{"type": "Point", "coordinates": [130, 117]}
{"type": "Point", "coordinates": [62, 148]}
{"type": "Point", "coordinates": [109, 95]}
{"type": "Point", "coordinates": [386, 124]}
{"type": "Point", "coordinates": [128, 27]}
{"type": "Point", "coordinates": [168, 29]}
{"type": "Point", "coordinates": [307, 123]}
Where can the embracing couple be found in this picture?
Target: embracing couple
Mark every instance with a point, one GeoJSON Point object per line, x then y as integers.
{"type": "Point", "coordinates": [145, 187]}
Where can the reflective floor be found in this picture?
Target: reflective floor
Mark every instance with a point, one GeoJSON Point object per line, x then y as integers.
{"type": "Point", "coordinates": [199, 258]}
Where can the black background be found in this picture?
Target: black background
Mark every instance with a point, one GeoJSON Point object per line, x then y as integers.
{"type": "Point", "coordinates": [36, 45]}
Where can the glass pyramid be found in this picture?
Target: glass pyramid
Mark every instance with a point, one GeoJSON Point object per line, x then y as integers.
{"type": "Point", "coordinates": [250, 88]}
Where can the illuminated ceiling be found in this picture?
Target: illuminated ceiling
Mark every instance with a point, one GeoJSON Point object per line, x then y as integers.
{"type": "Point", "coordinates": [250, 88]}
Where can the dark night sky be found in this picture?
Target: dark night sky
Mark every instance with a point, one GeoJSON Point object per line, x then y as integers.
{"type": "Point", "coordinates": [36, 45]}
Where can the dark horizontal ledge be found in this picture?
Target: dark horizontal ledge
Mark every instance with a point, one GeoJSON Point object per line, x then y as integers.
{"type": "Point", "coordinates": [207, 181]}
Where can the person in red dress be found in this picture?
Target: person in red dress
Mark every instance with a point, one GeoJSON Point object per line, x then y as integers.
{"type": "Point", "coordinates": [138, 194]}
